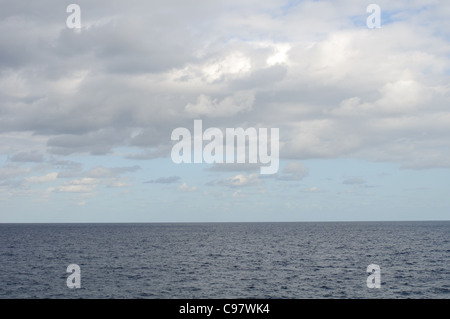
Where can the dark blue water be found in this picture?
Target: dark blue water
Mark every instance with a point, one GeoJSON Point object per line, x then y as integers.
{"type": "Point", "coordinates": [221, 260]}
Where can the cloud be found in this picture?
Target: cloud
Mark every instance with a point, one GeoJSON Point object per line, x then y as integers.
{"type": "Point", "coordinates": [42, 179]}
{"type": "Point", "coordinates": [11, 175]}
{"type": "Point", "coordinates": [262, 78]}
{"type": "Point", "coordinates": [27, 157]}
{"type": "Point", "coordinates": [98, 142]}
{"type": "Point", "coordinates": [84, 185]}
{"type": "Point", "coordinates": [103, 172]}
{"type": "Point", "coordinates": [185, 188]}
{"type": "Point", "coordinates": [134, 73]}
{"type": "Point", "coordinates": [293, 171]}
{"type": "Point", "coordinates": [12, 178]}
{"type": "Point", "coordinates": [229, 106]}
{"type": "Point", "coordinates": [117, 183]}
{"type": "Point", "coordinates": [354, 181]}
{"type": "Point", "coordinates": [88, 181]}
{"type": "Point", "coordinates": [239, 180]}
{"type": "Point", "coordinates": [72, 169]}
{"type": "Point", "coordinates": [239, 194]}
{"type": "Point", "coordinates": [235, 64]}
{"type": "Point", "coordinates": [313, 190]}
{"type": "Point", "coordinates": [164, 180]}
{"type": "Point", "coordinates": [88, 185]}
{"type": "Point", "coordinates": [234, 167]}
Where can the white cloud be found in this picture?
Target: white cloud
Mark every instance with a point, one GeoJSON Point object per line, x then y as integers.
{"type": "Point", "coordinates": [239, 194]}
{"type": "Point", "coordinates": [75, 188]}
{"type": "Point", "coordinates": [313, 69]}
{"type": "Point", "coordinates": [185, 188]}
{"type": "Point", "coordinates": [239, 180]}
{"type": "Point", "coordinates": [117, 183]}
{"type": "Point", "coordinates": [42, 179]}
{"type": "Point", "coordinates": [280, 55]}
{"type": "Point", "coordinates": [313, 189]}
{"type": "Point", "coordinates": [103, 172]}
{"type": "Point", "coordinates": [84, 185]}
{"type": "Point", "coordinates": [234, 65]}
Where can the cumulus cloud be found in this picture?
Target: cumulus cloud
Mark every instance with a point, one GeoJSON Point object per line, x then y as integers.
{"type": "Point", "coordinates": [313, 69]}
{"type": "Point", "coordinates": [73, 179]}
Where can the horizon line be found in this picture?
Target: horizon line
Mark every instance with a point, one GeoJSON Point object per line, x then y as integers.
{"type": "Point", "coordinates": [231, 222]}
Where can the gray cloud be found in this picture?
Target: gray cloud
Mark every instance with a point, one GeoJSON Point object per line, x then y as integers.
{"type": "Point", "coordinates": [103, 172]}
{"type": "Point", "coordinates": [71, 170]}
{"type": "Point", "coordinates": [164, 180]}
{"type": "Point", "coordinates": [333, 87]}
{"type": "Point", "coordinates": [293, 171]}
{"type": "Point", "coordinates": [234, 167]}
{"type": "Point", "coordinates": [261, 78]}
{"type": "Point", "coordinates": [96, 143]}
{"type": "Point", "coordinates": [27, 157]}
{"type": "Point", "coordinates": [11, 171]}
{"type": "Point", "coordinates": [354, 181]}
{"type": "Point", "coordinates": [237, 181]}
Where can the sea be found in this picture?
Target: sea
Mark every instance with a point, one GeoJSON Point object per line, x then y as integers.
{"type": "Point", "coordinates": [298, 260]}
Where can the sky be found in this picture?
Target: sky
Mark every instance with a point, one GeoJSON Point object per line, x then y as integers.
{"type": "Point", "coordinates": [86, 114]}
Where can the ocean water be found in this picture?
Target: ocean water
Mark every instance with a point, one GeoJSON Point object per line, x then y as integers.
{"type": "Point", "coordinates": [226, 260]}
